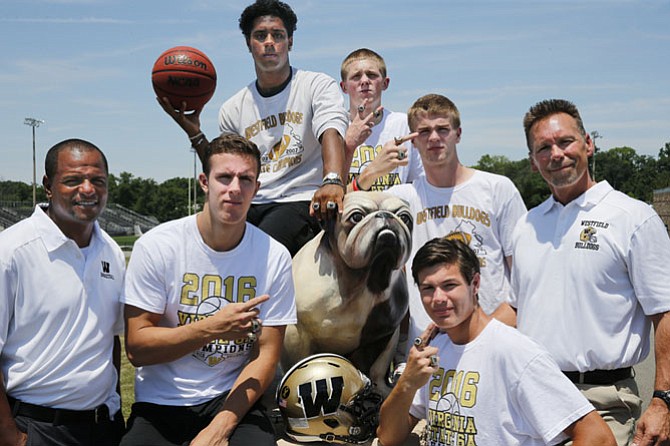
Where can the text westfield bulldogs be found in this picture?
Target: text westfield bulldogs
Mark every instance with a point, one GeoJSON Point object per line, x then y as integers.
{"type": "Point", "coordinates": [453, 211]}
{"type": "Point", "coordinates": [588, 236]}
{"type": "Point", "coordinates": [272, 121]}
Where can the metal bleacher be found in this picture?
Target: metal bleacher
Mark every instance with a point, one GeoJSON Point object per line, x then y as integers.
{"type": "Point", "coordinates": [119, 220]}
{"type": "Point", "coordinates": [115, 219]}
{"type": "Point", "coordinates": [12, 212]}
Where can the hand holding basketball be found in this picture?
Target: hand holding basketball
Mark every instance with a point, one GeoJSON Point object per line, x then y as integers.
{"type": "Point", "coordinates": [184, 74]}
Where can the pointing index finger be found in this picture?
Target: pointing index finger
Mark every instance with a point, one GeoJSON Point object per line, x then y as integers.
{"type": "Point", "coordinates": [403, 139]}
{"type": "Point", "coordinates": [252, 303]}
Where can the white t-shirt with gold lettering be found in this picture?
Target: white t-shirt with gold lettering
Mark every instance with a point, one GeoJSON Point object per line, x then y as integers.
{"type": "Point", "coordinates": [286, 128]}
{"type": "Point", "coordinates": [502, 388]}
{"type": "Point", "coordinates": [482, 212]}
{"type": "Point", "coordinates": [173, 272]}
{"type": "Point", "coordinates": [392, 125]}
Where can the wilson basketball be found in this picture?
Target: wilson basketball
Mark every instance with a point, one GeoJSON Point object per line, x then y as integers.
{"type": "Point", "coordinates": [186, 74]}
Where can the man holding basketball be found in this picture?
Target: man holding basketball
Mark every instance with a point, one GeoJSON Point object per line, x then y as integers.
{"type": "Point", "coordinates": [297, 119]}
{"type": "Point", "coordinates": [197, 291]}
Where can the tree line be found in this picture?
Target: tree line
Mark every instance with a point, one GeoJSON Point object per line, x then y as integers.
{"type": "Point", "coordinates": [633, 174]}
{"type": "Point", "coordinates": [165, 201]}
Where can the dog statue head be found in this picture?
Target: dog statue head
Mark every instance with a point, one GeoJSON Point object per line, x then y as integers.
{"type": "Point", "coordinates": [374, 232]}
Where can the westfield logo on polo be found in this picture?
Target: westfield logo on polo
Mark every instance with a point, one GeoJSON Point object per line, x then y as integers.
{"type": "Point", "coordinates": [104, 270]}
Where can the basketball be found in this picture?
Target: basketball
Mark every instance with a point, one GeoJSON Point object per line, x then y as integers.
{"type": "Point", "coordinates": [210, 306]}
{"type": "Point", "coordinates": [186, 74]}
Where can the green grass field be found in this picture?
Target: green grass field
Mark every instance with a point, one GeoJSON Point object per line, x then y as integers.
{"type": "Point", "coordinates": [127, 383]}
{"type": "Point", "coordinates": [125, 240]}
{"type": "Point", "coordinates": [127, 370]}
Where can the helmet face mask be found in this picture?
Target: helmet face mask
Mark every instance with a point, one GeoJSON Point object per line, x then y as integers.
{"type": "Point", "coordinates": [325, 398]}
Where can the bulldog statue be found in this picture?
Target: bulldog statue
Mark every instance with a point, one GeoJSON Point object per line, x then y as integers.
{"type": "Point", "coordinates": [350, 288]}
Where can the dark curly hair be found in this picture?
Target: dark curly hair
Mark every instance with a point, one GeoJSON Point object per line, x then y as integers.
{"type": "Point", "coordinates": [262, 8]}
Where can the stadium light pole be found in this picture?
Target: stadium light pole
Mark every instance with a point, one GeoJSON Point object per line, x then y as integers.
{"type": "Point", "coordinates": [189, 196]}
{"type": "Point", "coordinates": [33, 122]}
{"type": "Point", "coordinates": [595, 135]}
{"type": "Point", "coordinates": [195, 182]}
{"type": "Point", "coordinates": [192, 198]}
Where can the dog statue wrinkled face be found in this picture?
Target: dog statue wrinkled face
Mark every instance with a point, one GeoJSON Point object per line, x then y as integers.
{"type": "Point", "coordinates": [373, 223]}
{"type": "Point", "coordinates": [350, 286]}
{"type": "Point", "coordinates": [374, 232]}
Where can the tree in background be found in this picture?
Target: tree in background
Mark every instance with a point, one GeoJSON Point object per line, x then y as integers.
{"type": "Point", "coordinates": [18, 191]}
{"type": "Point", "coordinates": [165, 201]}
{"type": "Point", "coordinates": [633, 174]}
{"type": "Point", "coordinates": [531, 186]}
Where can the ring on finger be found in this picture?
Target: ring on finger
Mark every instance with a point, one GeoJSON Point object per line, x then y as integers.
{"type": "Point", "coordinates": [401, 154]}
{"type": "Point", "coordinates": [361, 108]}
{"type": "Point", "coordinates": [255, 326]}
{"type": "Point", "coordinates": [316, 206]}
{"type": "Point", "coordinates": [330, 205]}
{"type": "Point", "coordinates": [252, 337]}
{"type": "Point", "coordinates": [434, 361]}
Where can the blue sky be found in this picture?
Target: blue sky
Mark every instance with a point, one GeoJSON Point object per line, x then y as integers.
{"type": "Point", "coordinates": [84, 67]}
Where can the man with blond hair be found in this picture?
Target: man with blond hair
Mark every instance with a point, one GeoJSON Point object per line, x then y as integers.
{"type": "Point", "coordinates": [452, 200]}
{"type": "Point", "coordinates": [377, 160]}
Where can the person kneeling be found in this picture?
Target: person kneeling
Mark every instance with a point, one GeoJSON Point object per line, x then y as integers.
{"type": "Point", "coordinates": [476, 380]}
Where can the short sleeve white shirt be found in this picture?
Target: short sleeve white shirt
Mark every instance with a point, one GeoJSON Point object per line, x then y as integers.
{"type": "Point", "coordinates": [392, 125]}
{"type": "Point", "coordinates": [586, 274]}
{"type": "Point", "coordinates": [500, 389]}
{"type": "Point", "coordinates": [482, 212]}
{"type": "Point", "coordinates": [59, 313]}
{"type": "Point", "coordinates": [173, 272]}
{"type": "Point", "coordinates": [286, 128]}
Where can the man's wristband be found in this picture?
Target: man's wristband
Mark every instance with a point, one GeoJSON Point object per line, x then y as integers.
{"type": "Point", "coordinates": [356, 186]}
{"type": "Point", "coordinates": [196, 136]}
{"type": "Point", "coordinates": [196, 140]}
{"type": "Point", "coordinates": [337, 181]}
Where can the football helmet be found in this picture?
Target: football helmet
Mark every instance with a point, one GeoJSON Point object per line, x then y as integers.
{"type": "Point", "coordinates": [325, 398]}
